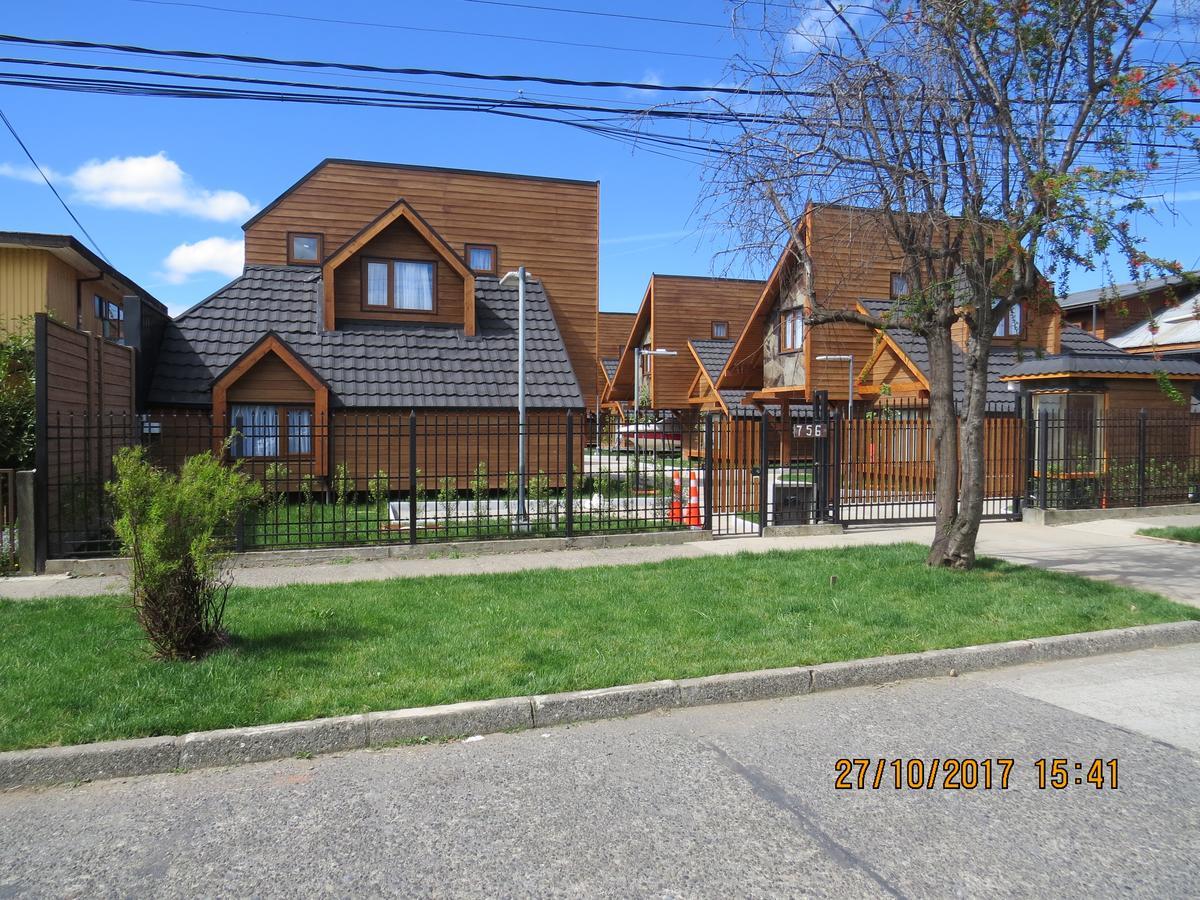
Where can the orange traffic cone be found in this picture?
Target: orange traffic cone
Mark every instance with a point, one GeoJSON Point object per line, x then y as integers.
{"type": "Point", "coordinates": [677, 498]}
{"type": "Point", "coordinates": [693, 507]}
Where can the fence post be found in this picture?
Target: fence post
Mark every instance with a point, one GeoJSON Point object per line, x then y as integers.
{"type": "Point", "coordinates": [571, 472]}
{"type": "Point", "coordinates": [1017, 469]}
{"type": "Point", "coordinates": [835, 482]}
{"type": "Point", "coordinates": [1043, 450]}
{"type": "Point", "coordinates": [412, 477]}
{"type": "Point", "coordinates": [763, 468]}
{"type": "Point", "coordinates": [41, 458]}
{"type": "Point", "coordinates": [820, 413]}
{"type": "Point", "coordinates": [1143, 417]}
{"type": "Point", "coordinates": [708, 471]}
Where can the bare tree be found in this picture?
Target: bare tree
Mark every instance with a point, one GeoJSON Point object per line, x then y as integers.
{"type": "Point", "coordinates": [1002, 143]}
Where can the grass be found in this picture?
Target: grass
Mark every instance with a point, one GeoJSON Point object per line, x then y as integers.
{"type": "Point", "coordinates": [75, 670]}
{"type": "Point", "coordinates": [327, 524]}
{"type": "Point", "coordinates": [1191, 533]}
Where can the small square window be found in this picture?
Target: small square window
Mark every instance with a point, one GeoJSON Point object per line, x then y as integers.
{"type": "Point", "coordinates": [720, 330]}
{"type": "Point", "coordinates": [482, 258]}
{"type": "Point", "coordinates": [304, 249]}
{"type": "Point", "coordinates": [899, 285]}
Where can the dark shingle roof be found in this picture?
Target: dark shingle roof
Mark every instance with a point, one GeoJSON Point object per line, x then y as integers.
{"type": "Point", "coordinates": [713, 355]}
{"type": "Point", "coordinates": [370, 365]}
{"type": "Point", "coordinates": [610, 367]}
{"type": "Point", "coordinates": [1123, 291]}
{"type": "Point", "coordinates": [1126, 364]}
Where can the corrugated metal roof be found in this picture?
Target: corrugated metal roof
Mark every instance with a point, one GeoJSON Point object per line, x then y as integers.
{"type": "Point", "coordinates": [1124, 291]}
{"type": "Point", "coordinates": [371, 365]}
{"type": "Point", "coordinates": [1180, 325]}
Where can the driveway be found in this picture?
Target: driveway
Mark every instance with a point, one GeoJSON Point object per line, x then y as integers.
{"type": "Point", "coordinates": [734, 800]}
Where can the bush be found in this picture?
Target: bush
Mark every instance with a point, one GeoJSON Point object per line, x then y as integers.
{"type": "Point", "coordinates": [169, 527]}
{"type": "Point", "coordinates": [377, 488]}
{"type": "Point", "coordinates": [18, 408]}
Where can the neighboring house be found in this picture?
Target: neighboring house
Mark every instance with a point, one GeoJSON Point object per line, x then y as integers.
{"type": "Point", "coordinates": [1122, 309]}
{"type": "Point", "coordinates": [677, 309]}
{"type": "Point", "coordinates": [57, 275]}
{"type": "Point", "coordinates": [372, 291]}
{"type": "Point", "coordinates": [611, 338]}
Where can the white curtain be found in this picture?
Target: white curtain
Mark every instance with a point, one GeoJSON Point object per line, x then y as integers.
{"type": "Point", "coordinates": [258, 429]}
{"type": "Point", "coordinates": [377, 284]}
{"type": "Point", "coordinates": [299, 431]}
{"type": "Point", "coordinates": [414, 285]}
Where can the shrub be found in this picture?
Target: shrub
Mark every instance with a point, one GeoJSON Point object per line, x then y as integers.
{"type": "Point", "coordinates": [169, 526]}
{"type": "Point", "coordinates": [479, 486]}
{"type": "Point", "coordinates": [343, 484]}
{"type": "Point", "coordinates": [447, 494]}
{"type": "Point", "coordinates": [307, 490]}
{"type": "Point", "coordinates": [275, 478]}
{"type": "Point", "coordinates": [377, 488]}
{"type": "Point", "coordinates": [18, 408]}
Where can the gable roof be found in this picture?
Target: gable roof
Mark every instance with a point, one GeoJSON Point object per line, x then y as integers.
{"type": "Point", "coordinates": [1124, 291]}
{"type": "Point", "coordinates": [369, 365]}
{"type": "Point", "coordinates": [711, 355]}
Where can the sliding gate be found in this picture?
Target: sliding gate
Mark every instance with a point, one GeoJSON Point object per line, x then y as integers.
{"type": "Point", "coordinates": [815, 465]}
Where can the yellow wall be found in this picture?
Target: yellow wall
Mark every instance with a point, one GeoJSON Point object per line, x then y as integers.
{"type": "Point", "coordinates": [23, 276]}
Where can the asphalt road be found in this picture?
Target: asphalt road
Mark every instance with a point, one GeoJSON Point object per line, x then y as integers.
{"type": "Point", "coordinates": [726, 801]}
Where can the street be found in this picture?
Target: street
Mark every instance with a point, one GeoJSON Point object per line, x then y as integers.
{"type": "Point", "coordinates": [734, 800]}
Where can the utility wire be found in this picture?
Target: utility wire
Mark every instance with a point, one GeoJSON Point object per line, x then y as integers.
{"type": "Point", "coordinates": [362, 23]}
{"type": "Point", "coordinates": [74, 218]}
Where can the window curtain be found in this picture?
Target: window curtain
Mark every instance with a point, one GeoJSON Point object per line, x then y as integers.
{"type": "Point", "coordinates": [258, 429]}
{"type": "Point", "coordinates": [299, 431]}
{"type": "Point", "coordinates": [481, 259]}
{"type": "Point", "coordinates": [414, 285]}
{"type": "Point", "coordinates": [377, 284]}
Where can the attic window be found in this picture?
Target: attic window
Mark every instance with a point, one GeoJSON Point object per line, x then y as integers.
{"type": "Point", "coordinates": [304, 249]}
{"type": "Point", "coordinates": [720, 330]}
{"type": "Point", "coordinates": [899, 285]}
{"type": "Point", "coordinates": [1013, 324]}
{"type": "Point", "coordinates": [406, 285]}
{"type": "Point", "coordinates": [482, 258]}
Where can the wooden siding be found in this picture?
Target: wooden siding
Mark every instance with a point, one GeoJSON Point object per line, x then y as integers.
{"type": "Point", "coordinates": [398, 241]}
{"type": "Point", "coordinates": [86, 374]}
{"type": "Point", "coordinates": [1043, 330]}
{"type": "Point", "coordinates": [683, 309]}
{"type": "Point", "coordinates": [551, 227]}
{"type": "Point", "coordinates": [888, 368]}
{"type": "Point", "coordinates": [853, 259]}
{"type": "Point", "coordinates": [1133, 395]}
{"type": "Point", "coordinates": [613, 334]}
{"type": "Point", "coordinates": [270, 380]}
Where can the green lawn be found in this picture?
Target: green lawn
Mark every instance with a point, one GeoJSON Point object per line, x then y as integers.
{"type": "Point", "coordinates": [1191, 534]}
{"type": "Point", "coordinates": [74, 670]}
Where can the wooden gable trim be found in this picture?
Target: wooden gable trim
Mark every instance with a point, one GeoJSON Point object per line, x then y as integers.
{"type": "Point", "coordinates": [400, 210]}
{"type": "Point", "coordinates": [624, 375]}
{"type": "Point", "coordinates": [889, 343]}
{"type": "Point", "coordinates": [271, 343]}
{"type": "Point", "coordinates": [711, 395]}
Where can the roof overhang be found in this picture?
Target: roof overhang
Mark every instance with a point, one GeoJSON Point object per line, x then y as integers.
{"type": "Point", "coordinates": [621, 385]}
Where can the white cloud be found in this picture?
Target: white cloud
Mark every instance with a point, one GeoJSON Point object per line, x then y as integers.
{"type": "Point", "coordinates": [154, 184]}
{"type": "Point", "coordinates": [214, 254]}
{"type": "Point", "coordinates": [24, 173]}
{"type": "Point", "coordinates": [818, 28]}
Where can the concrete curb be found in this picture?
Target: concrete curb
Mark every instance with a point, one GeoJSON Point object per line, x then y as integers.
{"type": "Point", "coordinates": [119, 565]}
{"type": "Point", "coordinates": [1055, 517]}
{"type": "Point", "coordinates": [232, 746]}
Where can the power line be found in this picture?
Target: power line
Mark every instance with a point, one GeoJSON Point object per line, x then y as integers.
{"type": "Point", "coordinates": [394, 70]}
{"type": "Point", "coordinates": [74, 218]}
{"type": "Point", "coordinates": [362, 23]}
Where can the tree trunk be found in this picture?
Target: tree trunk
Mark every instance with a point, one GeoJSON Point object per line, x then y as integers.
{"type": "Point", "coordinates": [944, 422]}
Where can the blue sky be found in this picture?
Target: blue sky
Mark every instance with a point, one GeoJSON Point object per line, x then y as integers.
{"type": "Point", "coordinates": [164, 185]}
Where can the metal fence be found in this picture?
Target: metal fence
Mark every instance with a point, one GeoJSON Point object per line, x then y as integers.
{"type": "Point", "coordinates": [1084, 460]}
{"type": "Point", "coordinates": [378, 479]}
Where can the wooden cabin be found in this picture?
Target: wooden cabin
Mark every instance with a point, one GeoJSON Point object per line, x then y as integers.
{"type": "Point", "coordinates": [676, 309]}
{"type": "Point", "coordinates": [373, 291]}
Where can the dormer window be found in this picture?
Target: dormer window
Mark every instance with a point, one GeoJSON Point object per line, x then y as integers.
{"type": "Point", "coordinates": [406, 285]}
{"type": "Point", "coordinates": [304, 249]}
{"type": "Point", "coordinates": [483, 258]}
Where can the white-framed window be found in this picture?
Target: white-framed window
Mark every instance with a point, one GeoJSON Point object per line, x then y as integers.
{"type": "Point", "coordinates": [1013, 324]}
{"type": "Point", "coordinates": [791, 330]}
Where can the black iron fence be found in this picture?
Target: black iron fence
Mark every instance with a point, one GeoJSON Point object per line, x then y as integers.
{"type": "Point", "coordinates": [1084, 459]}
{"type": "Point", "coordinates": [393, 478]}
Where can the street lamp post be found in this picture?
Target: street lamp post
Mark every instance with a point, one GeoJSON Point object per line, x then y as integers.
{"type": "Point", "coordinates": [518, 278]}
{"type": "Point", "coordinates": [849, 360]}
{"type": "Point", "coordinates": [638, 353]}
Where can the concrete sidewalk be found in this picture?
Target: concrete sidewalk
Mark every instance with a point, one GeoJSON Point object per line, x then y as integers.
{"type": "Point", "coordinates": [1107, 551]}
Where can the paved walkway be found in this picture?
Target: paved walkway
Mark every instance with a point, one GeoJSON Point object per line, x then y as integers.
{"type": "Point", "coordinates": [1105, 550]}
{"type": "Point", "coordinates": [720, 801]}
